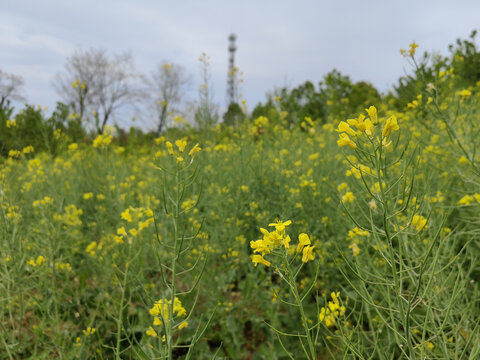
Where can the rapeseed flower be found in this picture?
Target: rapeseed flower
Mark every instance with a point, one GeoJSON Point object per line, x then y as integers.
{"type": "Point", "coordinates": [256, 259]}
{"type": "Point", "coordinates": [194, 150]}
{"type": "Point", "coordinates": [418, 222]}
{"type": "Point", "coordinates": [390, 125]}
{"type": "Point", "coordinates": [464, 93]}
{"type": "Point", "coordinates": [348, 197]}
{"type": "Point", "coordinates": [169, 147]}
{"type": "Point", "coordinates": [372, 113]}
{"type": "Point", "coordinates": [161, 310]}
{"type": "Point", "coordinates": [332, 311]}
{"type": "Point", "coordinates": [344, 140]}
{"type": "Point", "coordinates": [355, 249]}
{"type": "Point", "coordinates": [281, 226]}
{"type": "Point", "coordinates": [151, 332]}
{"type": "Point", "coordinates": [181, 145]}
{"type": "Point", "coordinates": [413, 48]}
{"type": "Point", "coordinates": [304, 240]}
{"type": "Point", "coordinates": [308, 253]}
{"type": "Point", "coordinates": [343, 127]}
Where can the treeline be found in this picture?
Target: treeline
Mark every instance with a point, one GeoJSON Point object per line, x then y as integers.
{"type": "Point", "coordinates": [93, 88]}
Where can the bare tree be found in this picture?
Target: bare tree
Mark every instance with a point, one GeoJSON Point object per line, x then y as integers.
{"type": "Point", "coordinates": [94, 83]}
{"type": "Point", "coordinates": [10, 88]}
{"type": "Point", "coordinates": [167, 85]}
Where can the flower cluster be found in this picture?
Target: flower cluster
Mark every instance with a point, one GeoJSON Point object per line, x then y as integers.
{"type": "Point", "coordinates": [105, 139]}
{"type": "Point", "coordinates": [332, 311]}
{"type": "Point", "coordinates": [279, 239]}
{"type": "Point", "coordinates": [181, 144]}
{"type": "Point", "coordinates": [47, 200]}
{"type": "Point", "coordinates": [38, 262]}
{"type": "Point", "coordinates": [161, 313]}
{"type": "Point", "coordinates": [78, 84]}
{"type": "Point", "coordinates": [410, 51]}
{"type": "Point", "coordinates": [366, 126]}
{"type": "Point", "coordinates": [134, 215]}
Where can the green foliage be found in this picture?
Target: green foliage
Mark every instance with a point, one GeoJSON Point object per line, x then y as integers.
{"type": "Point", "coordinates": [234, 115]}
{"type": "Point", "coordinates": [97, 238]}
{"type": "Point", "coordinates": [465, 60]}
{"type": "Point", "coordinates": [268, 109]}
{"type": "Point", "coordinates": [30, 127]}
{"type": "Point", "coordinates": [336, 97]}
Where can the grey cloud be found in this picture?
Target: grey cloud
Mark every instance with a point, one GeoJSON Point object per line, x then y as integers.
{"type": "Point", "coordinates": [278, 41]}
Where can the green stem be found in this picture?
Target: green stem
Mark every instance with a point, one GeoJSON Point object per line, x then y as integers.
{"type": "Point", "coordinates": [174, 263]}
{"type": "Point", "coordinates": [294, 289]}
{"type": "Point", "coordinates": [120, 312]}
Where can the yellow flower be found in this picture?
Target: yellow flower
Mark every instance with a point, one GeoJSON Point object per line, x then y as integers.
{"type": "Point", "coordinates": [40, 260]}
{"type": "Point", "coordinates": [343, 127]}
{"type": "Point", "coordinates": [179, 159]}
{"type": "Point", "coordinates": [413, 46]}
{"type": "Point", "coordinates": [182, 325]}
{"type": "Point", "coordinates": [348, 197]}
{"type": "Point", "coordinates": [385, 143]}
{"type": "Point", "coordinates": [308, 253]}
{"type": "Point", "coordinates": [126, 215]}
{"type": "Point", "coordinates": [28, 149]}
{"type": "Point", "coordinates": [87, 196]}
{"type": "Point", "coordinates": [169, 147]}
{"type": "Point", "coordinates": [346, 141]}
{"type": "Point", "coordinates": [355, 249]}
{"type": "Point", "coordinates": [259, 259]}
{"type": "Point", "coordinates": [181, 145]}
{"type": "Point", "coordinates": [178, 308]}
{"type": "Point", "coordinates": [466, 200]}
{"type": "Point", "coordinates": [151, 332]}
{"type": "Point", "coordinates": [281, 226]}
{"type": "Point", "coordinates": [89, 331]}
{"type": "Point", "coordinates": [418, 222]}
{"type": "Point", "coordinates": [372, 112]}
{"type": "Point", "coordinates": [194, 150]}
{"type": "Point", "coordinates": [464, 93]}
{"type": "Point", "coordinates": [133, 232]}
{"type": "Point", "coordinates": [368, 127]}
{"type": "Point", "coordinates": [358, 123]}
{"type": "Point", "coordinates": [303, 241]}
{"type": "Point", "coordinates": [390, 125]}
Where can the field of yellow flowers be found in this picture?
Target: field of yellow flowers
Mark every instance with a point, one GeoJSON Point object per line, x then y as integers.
{"type": "Point", "coordinates": [353, 239]}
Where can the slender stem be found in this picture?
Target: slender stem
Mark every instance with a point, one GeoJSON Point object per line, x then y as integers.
{"type": "Point", "coordinates": [174, 263]}
{"type": "Point", "coordinates": [120, 312]}
{"type": "Point", "coordinates": [293, 287]}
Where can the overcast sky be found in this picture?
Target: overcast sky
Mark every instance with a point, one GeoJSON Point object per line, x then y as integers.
{"type": "Point", "coordinates": [279, 42]}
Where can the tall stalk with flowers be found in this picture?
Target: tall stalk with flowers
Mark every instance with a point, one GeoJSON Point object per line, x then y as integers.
{"type": "Point", "coordinates": [169, 314]}
{"type": "Point", "coordinates": [285, 259]}
{"type": "Point", "coordinates": [402, 240]}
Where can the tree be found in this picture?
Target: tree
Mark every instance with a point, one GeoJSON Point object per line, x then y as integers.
{"type": "Point", "coordinates": [234, 115]}
{"type": "Point", "coordinates": [167, 86]}
{"type": "Point", "coordinates": [10, 88]}
{"type": "Point", "coordinates": [93, 83]}
{"type": "Point", "coordinates": [302, 101]}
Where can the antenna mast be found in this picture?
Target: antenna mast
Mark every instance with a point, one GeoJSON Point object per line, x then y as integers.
{"type": "Point", "coordinates": [231, 69]}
